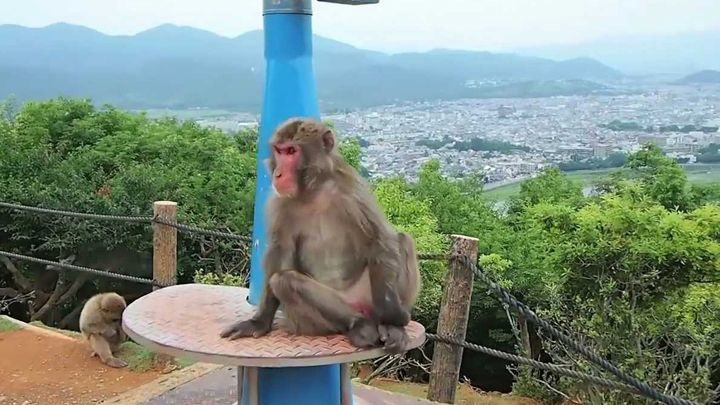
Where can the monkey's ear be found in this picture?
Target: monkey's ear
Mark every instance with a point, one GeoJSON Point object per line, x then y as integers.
{"type": "Point", "coordinates": [328, 139]}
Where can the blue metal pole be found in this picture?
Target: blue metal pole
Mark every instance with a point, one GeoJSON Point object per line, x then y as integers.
{"type": "Point", "coordinates": [290, 91]}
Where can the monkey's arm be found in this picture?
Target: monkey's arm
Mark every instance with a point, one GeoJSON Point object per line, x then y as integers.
{"type": "Point", "coordinates": [382, 256]}
{"type": "Point", "coordinates": [383, 271]}
{"type": "Point", "coordinates": [386, 285]}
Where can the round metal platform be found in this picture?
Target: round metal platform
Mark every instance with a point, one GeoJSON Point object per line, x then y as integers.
{"type": "Point", "coordinates": [186, 320]}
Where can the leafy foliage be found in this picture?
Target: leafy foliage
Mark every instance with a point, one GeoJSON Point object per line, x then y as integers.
{"type": "Point", "coordinates": [625, 271]}
{"type": "Point", "coordinates": [616, 159]}
{"type": "Point", "coordinates": [633, 271]}
{"type": "Point", "coordinates": [68, 155]}
{"type": "Point", "coordinates": [551, 187]}
{"type": "Point", "coordinates": [709, 154]}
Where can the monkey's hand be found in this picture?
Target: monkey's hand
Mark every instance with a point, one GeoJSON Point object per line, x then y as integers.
{"type": "Point", "coordinates": [252, 327]}
{"type": "Point", "coordinates": [394, 337]}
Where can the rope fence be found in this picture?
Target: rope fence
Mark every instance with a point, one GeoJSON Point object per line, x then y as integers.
{"type": "Point", "coordinates": [132, 219]}
{"type": "Point", "coordinates": [507, 298]}
{"type": "Point", "coordinates": [84, 215]}
{"type": "Point", "coordinates": [603, 382]}
{"type": "Point", "coordinates": [628, 383]}
{"type": "Point", "coordinates": [65, 266]}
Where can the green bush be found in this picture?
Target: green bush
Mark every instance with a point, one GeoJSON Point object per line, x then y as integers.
{"type": "Point", "coordinates": [69, 155]}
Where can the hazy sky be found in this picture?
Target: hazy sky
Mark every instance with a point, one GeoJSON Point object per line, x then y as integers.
{"type": "Point", "coordinates": [393, 25]}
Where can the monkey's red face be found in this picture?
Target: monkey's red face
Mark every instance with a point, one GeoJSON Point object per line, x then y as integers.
{"type": "Point", "coordinates": [285, 176]}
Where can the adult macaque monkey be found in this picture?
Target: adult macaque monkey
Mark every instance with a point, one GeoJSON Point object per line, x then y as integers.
{"type": "Point", "coordinates": [333, 261]}
{"type": "Point", "coordinates": [100, 324]}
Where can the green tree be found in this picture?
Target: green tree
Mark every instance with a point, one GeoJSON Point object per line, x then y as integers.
{"type": "Point", "coordinates": [612, 270]}
{"type": "Point", "coordinates": [663, 178]}
{"type": "Point", "coordinates": [550, 186]}
{"type": "Point", "coordinates": [69, 155]}
{"type": "Point", "coordinates": [350, 150]}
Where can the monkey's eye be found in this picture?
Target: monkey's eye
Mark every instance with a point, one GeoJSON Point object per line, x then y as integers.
{"type": "Point", "coordinates": [291, 150]}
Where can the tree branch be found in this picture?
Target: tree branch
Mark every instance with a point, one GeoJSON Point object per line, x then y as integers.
{"type": "Point", "coordinates": [20, 280]}
{"type": "Point", "coordinates": [63, 324]}
{"type": "Point", "coordinates": [76, 285]}
{"type": "Point", "coordinates": [41, 298]}
{"type": "Point", "coordinates": [59, 287]}
{"type": "Point", "coordinates": [9, 292]}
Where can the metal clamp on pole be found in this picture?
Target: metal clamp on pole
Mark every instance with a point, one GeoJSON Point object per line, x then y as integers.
{"type": "Point", "coordinates": [287, 7]}
{"type": "Point", "coordinates": [351, 2]}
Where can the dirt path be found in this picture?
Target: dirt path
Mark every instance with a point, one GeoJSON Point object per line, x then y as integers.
{"type": "Point", "coordinates": [44, 369]}
{"type": "Point", "coordinates": [465, 394]}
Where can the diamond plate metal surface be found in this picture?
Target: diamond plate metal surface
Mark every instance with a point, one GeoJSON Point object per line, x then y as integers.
{"type": "Point", "coordinates": [186, 320]}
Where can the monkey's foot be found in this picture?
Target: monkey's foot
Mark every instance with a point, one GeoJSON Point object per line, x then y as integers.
{"type": "Point", "coordinates": [394, 337]}
{"type": "Point", "coordinates": [364, 333]}
{"type": "Point", "coordinates": [116, 363]}
{"type": "Point", "coordinates": [93, 354]}
{"type": "Point", "coordinates": [246, 328]}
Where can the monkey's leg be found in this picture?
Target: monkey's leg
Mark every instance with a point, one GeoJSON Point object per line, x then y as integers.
{"type": "Point", "coordinates": [100, 346]}
{"type": "Point", "coordinates": [115, 338]}
{"type": "Point", "coordinates": [312, 308]}
{"type": "Point", "coordinates": [261, 323]}
{"type": "Point", "coordinates": [114, 345]}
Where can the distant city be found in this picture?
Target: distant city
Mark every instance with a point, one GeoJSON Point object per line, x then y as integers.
{"type": "Point", "coordinates": [505, 116]}
{"type": "Point", "coordinates": [540, 131]}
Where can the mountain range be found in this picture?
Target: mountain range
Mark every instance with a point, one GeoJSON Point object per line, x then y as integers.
{"type": "Point", "coordinates": [179, 67]}
{"type": "Point", "coordinates": [707, 76]}
{"type": "Point", "coordinates": [675, 54]}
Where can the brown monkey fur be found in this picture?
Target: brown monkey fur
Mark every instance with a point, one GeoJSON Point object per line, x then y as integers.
{"type": "Point", "coordinates": [100, 325]}
{"type": "Point", "coordinates": [334, 262]}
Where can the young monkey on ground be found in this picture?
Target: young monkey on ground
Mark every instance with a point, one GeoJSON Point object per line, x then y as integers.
{"type": "Point", "coordinates": [100, 325]}
{"type": "Point", "coordinates": [334, 262]}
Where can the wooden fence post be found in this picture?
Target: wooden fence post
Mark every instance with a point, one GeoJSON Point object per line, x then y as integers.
{"type": "Point", "coordinates": [452, 321]}
{"type": "Point", "coordinates": [165, 243]}
{"type": "Point", "coordinates": [164, 258]}
{"type": "Point", "coordinates": [525, 336]}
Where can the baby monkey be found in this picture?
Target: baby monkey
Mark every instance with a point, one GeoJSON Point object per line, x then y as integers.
{"type": "Point", "coordinates": [100, 325]}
